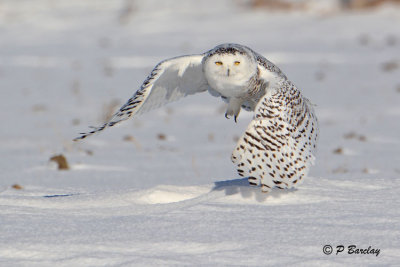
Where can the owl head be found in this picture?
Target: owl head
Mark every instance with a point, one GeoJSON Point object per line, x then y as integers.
{"type": "Point", "coordinates": [229, 62]}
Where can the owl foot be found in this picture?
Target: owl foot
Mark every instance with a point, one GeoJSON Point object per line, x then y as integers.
{"type": "Point", "coordinates": [233, 108]}
{"type": "Point", "coordinates": [228, 117]}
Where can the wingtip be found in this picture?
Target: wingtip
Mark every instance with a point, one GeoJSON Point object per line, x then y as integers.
{"type": "Point", "coordinates": [83, 136]}
{"type": "Point", "coordinates": [76, 139]}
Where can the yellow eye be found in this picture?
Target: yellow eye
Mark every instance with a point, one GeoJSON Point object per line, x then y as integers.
{"type": "Point", "coordinates": [237, 63]}
{"type": "Point", "coordinates": [218, 63]}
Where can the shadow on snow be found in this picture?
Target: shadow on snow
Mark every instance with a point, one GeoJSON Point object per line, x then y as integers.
{"type": "Point", "coordinates": [241, 186]}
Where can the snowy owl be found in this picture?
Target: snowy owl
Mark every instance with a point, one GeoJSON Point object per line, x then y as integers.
{"type": "Point", "coordinates": [277, 147]}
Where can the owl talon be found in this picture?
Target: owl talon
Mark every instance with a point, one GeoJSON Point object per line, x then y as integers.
{"type": "Point", "coordinates": [226, 116]}
{"type": "Point", "coordinates": [235, 118]}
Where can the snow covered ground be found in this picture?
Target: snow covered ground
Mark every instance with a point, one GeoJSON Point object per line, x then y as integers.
{"type": "Point", "coordinates": [160, 189]}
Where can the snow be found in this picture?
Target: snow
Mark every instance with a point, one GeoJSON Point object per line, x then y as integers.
{"type": "Point", "coordinates": [160, 189]}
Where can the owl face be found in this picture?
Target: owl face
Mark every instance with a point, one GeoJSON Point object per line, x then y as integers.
{"type": "Point", "coordinates": [235, 67]}
{"type": "Point", "coordinates": [229, 73]}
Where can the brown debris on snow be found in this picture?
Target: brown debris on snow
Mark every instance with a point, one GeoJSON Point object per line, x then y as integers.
{"type": "Point", "coordinates": [273, 4]}
{"type": "Point", "coordinates": [338, 150]}
{"type": "Point", "coordinates": [353, 135]}
{"type": "Point", "coordinates": [17, 187]}
{"type": "Point", "coordinates": [365, 4]}
{"type": "Point", "coordinates": [131, 139]}
{"type": "Point", "coordinates": [161, 136]}
{"type": "Point", "coordinates": [390, 66]}
{"type": "Point", "coordinates": [61, 161]}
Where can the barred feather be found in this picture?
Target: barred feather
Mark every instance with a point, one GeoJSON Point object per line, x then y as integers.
{"type": "Point", "coordinates": [277, 148]}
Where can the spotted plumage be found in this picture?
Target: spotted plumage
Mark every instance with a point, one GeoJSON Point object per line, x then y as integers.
{"type": "Point", "coordinates": [277, 147]}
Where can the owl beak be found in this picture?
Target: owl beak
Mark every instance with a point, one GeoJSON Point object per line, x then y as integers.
{"type": "Point", "coordinates": [228, 71]}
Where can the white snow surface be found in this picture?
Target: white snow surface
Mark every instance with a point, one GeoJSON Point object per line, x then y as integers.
{"type": "Point", "coordinates": [177, 200]}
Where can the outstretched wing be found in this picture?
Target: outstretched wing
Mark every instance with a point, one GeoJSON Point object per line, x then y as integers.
{"type": "Point", "coordinates": [169, 81]}
{"type": "Point", "coordinates": [277, 148]}
{"type": "Point", "coordinates": [269, 72]}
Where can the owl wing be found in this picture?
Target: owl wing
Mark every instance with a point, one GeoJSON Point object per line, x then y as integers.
{"type": "Point", "coordinates": [277, 148]}
{"type": "Point", "coordinates": [169, 81]}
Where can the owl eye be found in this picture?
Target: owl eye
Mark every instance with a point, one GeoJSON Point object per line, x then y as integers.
{"type": "Point", "coordinates": [218, 63]}
{"type": "Point", "coordinates": [237, 63]}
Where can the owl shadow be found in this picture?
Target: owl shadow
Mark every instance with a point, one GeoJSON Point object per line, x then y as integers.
{"type": "Point", "coordinates": [241, 186]}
